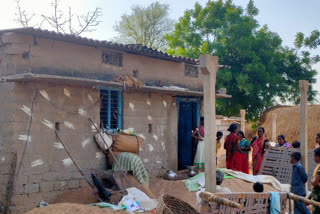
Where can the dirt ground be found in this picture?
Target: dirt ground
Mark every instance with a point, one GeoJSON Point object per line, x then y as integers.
{"type": "Point", "coordinates": [74, 201]}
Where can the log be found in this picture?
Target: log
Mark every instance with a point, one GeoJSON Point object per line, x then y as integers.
{"type": "Point", "coordinates": [304, 200]}
{"type": "Point", "coordinates": [209, 197]}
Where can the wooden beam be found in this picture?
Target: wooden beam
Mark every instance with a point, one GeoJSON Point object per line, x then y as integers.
{"type": "Point", "coordinates": [274, 127]}
{"type": "Point", "coordinates": [303, 86]}
{"type": "Point", "coordinates": [243, 120]}
{"type": "Point", "coordinates": [209, 67]}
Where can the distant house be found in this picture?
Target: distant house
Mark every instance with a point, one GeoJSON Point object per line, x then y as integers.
{"type": "Point", "coordinates": [62, 81]}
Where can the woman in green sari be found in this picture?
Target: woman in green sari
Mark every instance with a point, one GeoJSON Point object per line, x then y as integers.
{"type": "Point", "coordinates": [244, 144]}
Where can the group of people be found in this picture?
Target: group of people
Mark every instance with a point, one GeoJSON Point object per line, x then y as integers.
{"type": "Point", "coordinates": [237, 158]}
{"type": "Point", "coordinates": [236, 146]}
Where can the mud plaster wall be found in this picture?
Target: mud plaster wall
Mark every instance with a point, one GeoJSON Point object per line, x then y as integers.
{"type": "Point", "coordinates": [61, 58]}
{"type": "Point", "coordinates": [47, 170]}
{"type": "Point", "coordinates": [143, 111]}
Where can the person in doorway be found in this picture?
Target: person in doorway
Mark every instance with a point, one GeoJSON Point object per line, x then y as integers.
{"type": "Point", "coordinates": [315, 182]}
{"type": "Point", "coordinates": [258, 149]}
{"type": "Point", "coordinates": [235, 159]}
{"type": "Point", "coordinates": [318, 139]}
{"type": "Point", "coordinates": [245, 147]}
{"type": "Point", "coordinates": [282, 142]}
{"type": "Point", "coordinates": [198, 134]}
{"type": "Point", "coordinates": [298, 180]}
{"type": "Point", "coordinates": [218, 144]}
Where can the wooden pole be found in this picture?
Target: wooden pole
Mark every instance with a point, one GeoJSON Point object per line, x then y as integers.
{"type": "Point", "coordinates": [304, 85]}
{"type": "Point", "coordinates": [274, 127]}
{"type": "Point", "coordinates": [209, 197]}
{"type": "Point", "coordinates": [243, 120]}
{"type": "Point", "coordinates": [209, 67]}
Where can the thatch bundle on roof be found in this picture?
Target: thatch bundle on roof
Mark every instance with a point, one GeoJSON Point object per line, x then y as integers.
{"type": "Point", "coordinates": [129, 81]}
{"type": "Point", "coordinates": [288, 122]}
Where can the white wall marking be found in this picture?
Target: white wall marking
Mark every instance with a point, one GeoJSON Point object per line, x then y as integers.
{"type": "Point", "coordinates": [44, 94]}
{"type": "Point", "coordinates": [146, 160]}
{"type": "Point", "coordinates": [99, 155]}
{"type": "Point", "coordinates": [47, 123]}
{"type": "Point", "coordinates": [165, 104]}
{"type": "Point", "coordinates": [150, 147]}
{"type": "Point", "coordinates": [67, 92]}
{"type": "Point", "coordinates": [142, 136]}
{"type": "Point", "coordinates": [149, 117]}
{"type": "Point", "coordinates": [85, 142]}
{"type": "Point", "coordinates": [90, 98]}
{"type": "Point", "coordinates": [155, 137]}
{"type": "Point", "coordinates": [67, 161]}
{"type": "Point", "coordinates": [131, 106]}
{"type": "Point", "coordinates": [36, 163]}
{"type": "Point", "coordinates": [24, 138]}
{"type": "Point", "coordinates": [158, 162]}
{"type": "Point", "coordinates": [26, 110]}
{"type": "Point", "coordinates": [58, 145]}
{"type": "Point", "coordinates": [82, 112]}
{"type": "Point", "coordinates": [163, 145]}
{"type": "Point", "coordinates": [148, 102]}
{"type": "Point", "coordinates": [3, 158]}
{"type": "Point", "coordinates": [68, 124]}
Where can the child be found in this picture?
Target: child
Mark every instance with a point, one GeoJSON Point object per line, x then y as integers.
{"type": "Point", "coordinates": [218, 144]}
{"type": "Point", "coordinates": [315, 194]}
{"type": "Point", "coordinates": [298, 180]}
{"type": "Point", "coordinates": [296, 144]}
{"type": "Point", "coordinates": [258, 187]}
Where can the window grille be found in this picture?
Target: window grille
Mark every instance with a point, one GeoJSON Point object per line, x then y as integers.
{"type": "Point", "coordinates": [112, 58]}
{"type": "Point", "coordinates": [110, 110]}
{"type": "Point", "coordinates": [191, 71]}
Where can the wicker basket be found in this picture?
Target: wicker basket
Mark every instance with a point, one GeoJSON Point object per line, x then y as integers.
{"type": "Point", "coordinates": [170, 205]}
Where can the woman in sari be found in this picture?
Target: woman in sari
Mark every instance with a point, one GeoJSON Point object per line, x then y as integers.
{"type": "Point", "coordinates": [282, 142]}
{"type": "Point", "coordinates": [235, 158]}
{"type": "Point", "coordinates": [198, 134]}
{"type": "Point", "coordinates": [258, 147]}
{"type": "Point", "coordinates": [245, 147]}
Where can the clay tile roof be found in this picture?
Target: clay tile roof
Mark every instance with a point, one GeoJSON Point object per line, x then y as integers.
{"type": "Point", "coordinates": [137, 49]}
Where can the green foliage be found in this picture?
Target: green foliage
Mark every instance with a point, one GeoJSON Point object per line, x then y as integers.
{"type": "Point", "coordinates": [146, 26]}
{"type": "Point", "coordinates": [261, 69]}
{"type": "Point", "coordinates": [313, 41]}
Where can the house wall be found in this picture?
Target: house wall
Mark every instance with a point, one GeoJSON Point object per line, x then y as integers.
{"type": "Point", "coordinates": [61, 58]}
{"type": "Point", "coordinates": [47, 170]}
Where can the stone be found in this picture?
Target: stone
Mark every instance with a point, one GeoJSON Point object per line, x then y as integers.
{"type": "Point", "coordinates": [60, 185]}
{"type": "Point", "coordinates": [47, 186]}
{"type": "Point", "coordinates": [73, 184]}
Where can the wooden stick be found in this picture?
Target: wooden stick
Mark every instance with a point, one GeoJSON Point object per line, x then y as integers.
{"type": "Point", "coordinates": [209, 197]}
{"type": "Point", "coordinates": [303, 199]}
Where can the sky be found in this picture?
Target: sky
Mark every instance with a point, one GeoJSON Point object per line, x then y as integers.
{"type": "Point", "coordinates": [285, 17]}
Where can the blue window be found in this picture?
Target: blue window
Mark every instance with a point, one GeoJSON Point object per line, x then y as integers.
{"type": "Point", "coordinates": [110, 110]}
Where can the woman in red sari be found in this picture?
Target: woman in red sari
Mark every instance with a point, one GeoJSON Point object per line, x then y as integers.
{"type": "Point", "coordinates": [235, 156]}
{"type": "Point", "coordinates": [258, 151]}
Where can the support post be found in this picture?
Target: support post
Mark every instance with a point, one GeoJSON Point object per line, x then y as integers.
{"type": "Point", "coordinates": [209, 67]}
{"type": "Point", "coordinates": [243, 120]}
{"type": "Point", "coordinates": [303, 86]}
{"type": "Point", "coordinates": [274, 127]}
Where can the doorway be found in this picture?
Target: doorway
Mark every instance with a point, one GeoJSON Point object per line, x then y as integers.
{"type": "Point", "coordinates": [188, 117]}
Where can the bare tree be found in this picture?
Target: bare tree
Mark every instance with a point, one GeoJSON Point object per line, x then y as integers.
{"type": "Point", "coordinates": [61, 21]}
{"type": "Point", "coordinates": [21, 16]}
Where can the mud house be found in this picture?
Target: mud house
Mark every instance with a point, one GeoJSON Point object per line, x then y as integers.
{"type": "Point", "coordinates": [54, 81]}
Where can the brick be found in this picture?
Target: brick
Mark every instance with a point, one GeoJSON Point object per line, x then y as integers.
{"type": "Point", "coordinates": [19, 200]}
{"type": "Point", "coordinates": [73, 184]}
{"type": "Point", "coordinates": [83, 183]}
{"type": "Point", "coordinates": [47, 186]}
{"type": "Point", "coordinates": [16, 48]}
{"type": "Point", "coordinates": [60, 185]}
{"type": "Point", "coordinates": [31, 188]}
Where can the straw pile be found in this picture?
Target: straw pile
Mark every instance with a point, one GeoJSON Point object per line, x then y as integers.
{"type": "Point", "coordinates": [288, 122]}
{"type": "Point", "coordinates": [129, 81]}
